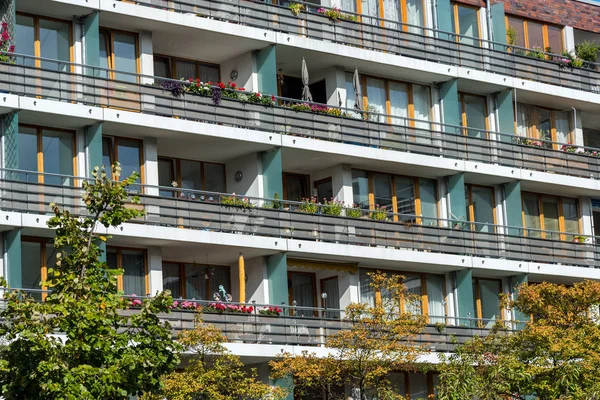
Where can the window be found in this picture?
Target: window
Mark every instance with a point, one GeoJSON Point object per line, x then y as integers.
{"type": "Point", "coordinates": [481, 207]}
{"type": "Point", "coordinates": [177, 68]}
{"type": "Point", "coordinates": [47, 150]}
{"type": "Point", "coordinates": [44, 37]}
{"type": "Point", "coordinates": [119, 52]}
{"type": "Point", "coordinates": [193, 281]}
{"type": "Point", "coordinates": [406, 104]}
{"type": "Point", "coordinates": [133, 264]}
{"type": "Point", "coordinates": [413, 385]}
{"type": "Point", "coordinates": [474, 115]}
{"type": "Point", "coordinates": [128, 152]}
{"type": "Point", "coordinates": [190, 175]}
{"type": "Point", "coordinates": [536, 35]}
{"type": "Point", "coordinates": [295, 186]}
{"type": "Point", "coordinates": [591, 137]}
{"type": "Point", "coordinates": [550, 217]}
{"type": "Point", "coordinates": [395, 12]}
{"type": "Point", "coordinates": [324, 189]}
{"type": "Point", "coordinates": [487, 302]}
{"type": "Point", "coordinates": [37, 255]}
{"type": "Point", "coordinates": [302, 290]}
{"type": "Point", "coordinates": [544, 124]}
{"type": "Point", "coordinates": [406, 197]}
{"type": "Point", "coordinates": [465, 22]}
{"type": "Point", "coordinates": [429, 288]}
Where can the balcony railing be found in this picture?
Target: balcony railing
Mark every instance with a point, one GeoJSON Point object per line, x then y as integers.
{"type": "Point", "coordinates": [76, 83]}
{"type": "Point", "coordinates": [210, 212]}
{"type": "Point", "coordinates": [308, 326]}
{"type": "Point", "coordinates": [394, 37]}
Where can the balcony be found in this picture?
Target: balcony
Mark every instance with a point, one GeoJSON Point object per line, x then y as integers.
{"type": "Point", "coordinates": [392, 37]}
{"type": "Point", "coordinates": [230, 214]}
{"type": "Point", "coordinates": [80, 84]}
{"type": "Point", "coordinates": [307, 326]}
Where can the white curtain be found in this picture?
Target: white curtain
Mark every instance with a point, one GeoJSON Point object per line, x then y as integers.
{"type": "Point", "coordinates": [428, 192]}
{"type": "Point", "coordinates": [367, 294]}
{"type": "Point", "coordinates": [490, 303]}
{"type": "Point", "coordinates": [185, 70]}
{"type": "Point", "coordinates": [391, 12]}
{"type": "Point", "coordinates": [562, 125]}
{"type": "Point", "coordinates": [435, 296]}
{"type": "Point", "coordinates": [209, 73]}
{"type": "Point", "coordinates": [303, 291]}
{"type": "Point", "coordinates": [523, 123]}
{"type": "Point", "coordinates": [370, 8]}
{"type": "Point", "coordinates": [413, 285]}
{"type": "Point", "coordinates": [399, 103]}
{"type": "Point", "coordinates": [331, 287]}
{"type": "Point", "coordinates": [422, 107]}
{"type": "Point", "coordinates": [414, 9]}
{"type": "Point", "coordinates": [134, 272]}
{"type": "Point", "coordinates": [348, 5]}
{"type": "Point", "coordinates": [377, 97]}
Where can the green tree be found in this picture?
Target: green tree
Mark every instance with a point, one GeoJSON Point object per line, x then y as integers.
{"type": "Point", "coordinates": [555, 356]}
{"type": "Point", "coordinates": [376, 341]}
{"type": "Point", "coordinates": [77, 344]}
{"type": "Point", "coordinates": [212, 372]}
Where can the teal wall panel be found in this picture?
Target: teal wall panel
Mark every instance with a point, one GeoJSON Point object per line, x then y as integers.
{"type": "Point", "coordinates": [498, 25]}
{"type": "Point", "coordinates": [451, 106]}
{"type": "Point", "coordinates": [514, 215]}
{"type": "Point", "coordinates": [13, 256]}
{"type": "Point", "coordinates": [91, 49]}
{"type": "Point", "coordinates": [277, 278]}
{"type": "Point", "coordinates": [506, 114]}
{"type": "Point", "coordinates": [93, 144]}
{"type": "Point", "coordinates": [456, 190]}
{"type": "Point", "coordinates": [466, 302]}
{"type": "Point", "coordinates": [266, 69]}
{"type": "Point", "coordinates": [272, 173]}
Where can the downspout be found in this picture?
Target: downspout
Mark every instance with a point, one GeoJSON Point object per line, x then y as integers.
{"type": "Point", "coordinates": [488, 14]}
{"type": "Point", "coordinates": [575, 125]}
{"type": "Point", "coordinates": [434, 16]}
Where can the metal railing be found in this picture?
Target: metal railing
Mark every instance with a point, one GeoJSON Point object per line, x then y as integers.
{"type": "Point", "coordinates": [394, 37]}
{"type": "Point", "coordinates": [82, 84]}
{"type": "Point", "coordinates": [305, 326]}
{"type": "Point", "coordinates": [215, 212]}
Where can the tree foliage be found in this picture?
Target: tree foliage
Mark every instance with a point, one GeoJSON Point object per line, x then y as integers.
{"type": "Point", "coordinates": [77, 344]}
{"type": "Point", "coordinates": [212, 372]}
{"type": "Point", "coordinates": [555, 356]}
{"type": "Point", "coordinates": [377, 340]}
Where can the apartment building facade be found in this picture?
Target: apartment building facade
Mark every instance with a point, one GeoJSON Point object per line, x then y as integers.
{"type": "Point", "coordinates": [462, 137]}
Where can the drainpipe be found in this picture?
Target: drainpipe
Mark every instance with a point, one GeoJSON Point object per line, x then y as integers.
{"type": "Point", "coordinates": [575, 125]}
{"type": "Point", "coordinates": [434, 14]}
{"type": "Point", "coordinates": [488, 14]}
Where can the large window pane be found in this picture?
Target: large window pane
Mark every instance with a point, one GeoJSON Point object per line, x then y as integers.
{"type": "Point", "coordinates": [360, 188]}
{"type": "Point", "coordinates": [171, 279]}
{"type": "Point", "coordinates": [422, 106]}
{"type": "Point", "coordinates": [55, 43]}
{"type": "Point", "coordinates": [31, 265]}
{"type": "Point", "coordinates": [415, 15]}
{"type": "Point", "coordinates": [391, 12]}
{"type": "Point", "coordinates": [125, 56]}
{"type": "Point", "coordinates": [436, 298]}
{"type": "Point", "coordinates": [191, 175]}
{"type": "Point", "coordinates": [571, 216]}
{"type": "Point", "coordinates": [376, 97]}
{"type": "Point", "coordinates": [483, 208]}
{"type": "Point", "coordinates": [295, 187]}
{"type": "Point", "coordinates": [28, 149]}
{"type": "Point", "coordinates": [104, 52]}
{"type": "Point", "coordinates": [398, 102]}
{"type": "Point", "coordinates": [517, 25]}
{"type": "Point", "coordinates": [469, 25]}
{"type": "Point", "coordinates": [551, 223]}
{"type": "Point", "coordinates": [129, 154]}
{"type": "Point", "coordinates": [25, 39]}
{"type": "Point", "coordinates": [429, 208]}
{"type": "Point", "coordinates": [303, 291]}
{"type": "Point", "coordinates": [161, 67]}
{"type": "Point", "coordinates": [195, 282]}
{"type": "Point", "coordinates": [413, 285]}
{"type": "Point", "coordinates": [209, 73]}
{"type": "Point", "coordinates": [166, 176]}
{"type": "Point", "coordinates": [107, 153]}
{"type": "Point", "coordinates": [382, 191]}
{"type": "Point", "coordinates": [134, 275]}
{"type": "Point", "coordinates": [562, 126]}
{"type": "Point", "coordinates": [214, 176]}
{"type": "Point", "coordinates": [531, 209]}
{"type": "Point", "coordinates": [418, 386]}
{"type": "Point", "coordinates": [405, 198]}
{"type": "Point", "coordinates": [536, 36]}
{"type": "Point", "coordinates": [185, 69]}
{"type": "Point", "coordinates": [218, 276]}
{"type": "Point", "coordinates": [367, 293]}
{"type": "Point", "coordinates": [555, 39]}
{"type": "Point", "coordinates": [490, 303]}
{"type": "Point", "coordinates": [476, 110]}
{"type": "Point", "coordinates": [58, 156]}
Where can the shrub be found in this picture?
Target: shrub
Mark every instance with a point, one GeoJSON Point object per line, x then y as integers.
{"type": "Point", "coordinates": [587, 51]}
{"type": "Point", "coordinates": [332, 207]}
{"type": "Point", "coordinates": [309, 205]}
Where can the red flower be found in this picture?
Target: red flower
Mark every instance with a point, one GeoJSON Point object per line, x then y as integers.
{"type": "Point", "coordinates": [221, 85]}
{"type": "Point", "coordinates": [197, 80]}
{"type": "Point", "coordinates": [242, 88]}
{"type": "Point", "coordinates": [273, 97]}
{"type": "Point", "coordinates": [233, 85]}
{"type": "Point", "coordinates": [191, 80]}
{"type": "Point", "coordinates": [250, 309]}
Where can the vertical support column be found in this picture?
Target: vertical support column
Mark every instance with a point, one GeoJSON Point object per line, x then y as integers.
{"type": "Point", "coordinates": [444, 18]}
{"type": "Point", "coordinates": [242, 278]}
{"type": "Point", "coordinates": [569, 38]}
{"type": "Point", "coordinates": [513, 209]}
{"type": "Point", "coordinates": [464, 290]}
{"type": "Point", "coordinates": [272, 171]}
{"type": "Point", "coordinates": [335, 83]}
{"type": "Point", "coordinates": [155, 278]}
{"type": "Point", "coordinates": [515, 281]}
{"type": "Point", "coordinates": [348, 287]}
{"type": "Point", "coordinates": [277, 278]}
{"type": "Point", "coordinates": [450, 105]}
{"type": "Point", "coordinates": [505, 112]}
{"type": "Point", "coordinates": [13, 257]}
{"type": "Point", "coordinates": [498, 26]}
{"type": "Point", "coordinates": [266, 69]}
{"type": "Point", "coordinates": [91, 42]}
{"type": "Point", "coordinates": [93, 147]}
{"type": "Point", "coordinates": [456, 194]}
{"type": "Point", "coordinates": [146, 57]}
{"type": "Point", "coordinates": [10, 140]}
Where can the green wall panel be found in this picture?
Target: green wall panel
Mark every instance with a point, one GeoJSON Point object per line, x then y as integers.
{"type": "Point", "coordinates": [498, 25]}
{"type": "Point", "coordinates": [506, 114]}
{"type": "Point", "coordinates": [466, 303]}
{"type": "Point", "coordinates": [277, 277]}
{"type": "Point", "coordinates": [450, 105]}
{"type": "Point", "coordinates": [456, 190]}
{"type": "Point", "coordinates": [266, 69]}
{"type": "Point", "coordinates": [93, 144]}
{"type": "Point", "coordinates": [91, 34]}
{"type": "Point", "coordinates": [272, 173]}
{"type": "Point", "coordinates": [444, 18]}
{"type": "Point", "coordinates": [514, 215]}
{"type": "Point", "coordinates": [13, 256]}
